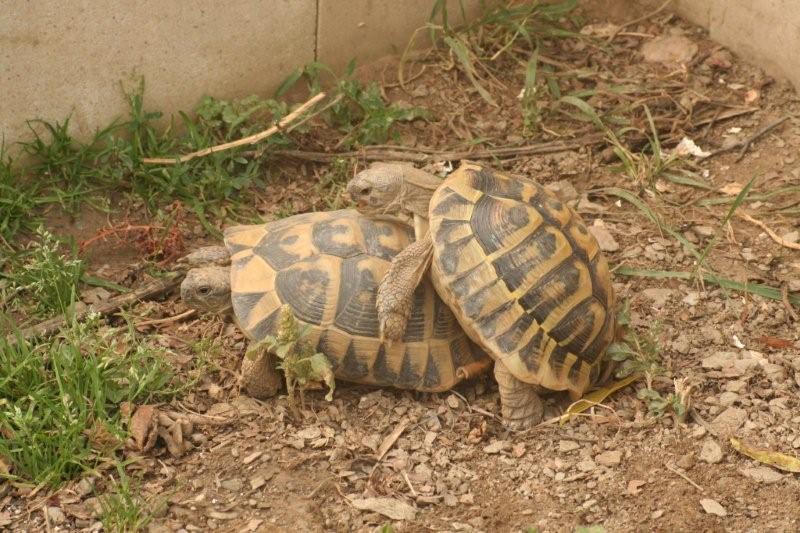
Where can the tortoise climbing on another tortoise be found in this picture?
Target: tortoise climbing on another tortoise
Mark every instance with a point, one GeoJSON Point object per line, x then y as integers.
{"type": "Point", "coordinates": [520, 270]}
{"type": "Point", "coordinates": [326, 267]}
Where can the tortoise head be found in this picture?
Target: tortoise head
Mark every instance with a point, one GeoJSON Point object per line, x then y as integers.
{"type": "Point", "coordinates": [207, 289]}
{"type": "Point", "coordinates": [392, 189]}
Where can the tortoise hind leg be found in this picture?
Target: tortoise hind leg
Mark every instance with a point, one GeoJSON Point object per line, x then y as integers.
{"type": "Point", "coordinates": [396, 291]}
{"type": "Point", "coordinates": [519, 402]}
{"type": "Point", "coordinates": [260, 379]}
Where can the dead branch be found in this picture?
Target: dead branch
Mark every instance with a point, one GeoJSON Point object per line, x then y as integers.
{"type": "Point", "coordinates": [252, 139]}
{"type": "Point", "coordinates": [422, 156]}
{"type": "Point", "coordinates": [744, 145]}
{"type": "Point", "coordinates": [148, 292]}
{"type": "Point", "coordinates": [772, 235]}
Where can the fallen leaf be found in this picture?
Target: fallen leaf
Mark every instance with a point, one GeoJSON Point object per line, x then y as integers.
{"type": "Point", "coordinates": [763, 474]}
{"type": "Point", "coordinates": [495, 447]}
{"type": "Point", "coordinates": [595, 398]}
{"type": "Point", "coordinates": [144, 427]}
{"type": "Point", "coordinates": [775, 342]}
{"type": "Point", "coordinates": [776, 459]}
{"type": "Point", "coordinates": [518, 450]}
{"type": "Point", "coordinates": [388, 507]}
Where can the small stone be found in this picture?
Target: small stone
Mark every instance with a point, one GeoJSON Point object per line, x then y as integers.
{"type": "Point", "coordinates": [256, 482]}
{"type": "Point", "coordinates": [719, 360]}
{"type": "Point", "coordinates": [686, 461]}
{"type": "Point", "coordinates": [711, 452]}
{"type": "Point", "coordinates": [450, 500]}
{"type": "Point", "coordinates": [84, 487]}
{"type": "Point", "coordinates": [792, 236]}
{"type": "Point", "coordinates": [691, 298]}
{"type": "Point", "coordinates": [453, 402]}
{"type": "Point", "coordinates": [737, 385]}
{"type": "Point", "coordinates": [587, 465]}
{"type": "Point", "coordinates": [495, 447]}
{"type": "Point", "coordinates": [796, 443]}
{"type": "Point", "coordinates": [669, 49]}
{"type": "Point", "coordinates": [729, 420]}
{"type": "Point", "coordinates": [252, 457]}
{"type": "Point", "coordinates": [763, 474]}
{"type": "Point", "coordinates": [655, 515]}
{"type": "Point", "coordinates": [563, 189]}
{"type": "Point", "coordinates": [233, 484]}
{"type": "Point", "coordinates": [610, 458]}
{"type": "Point", "coordinates": [604, 238]}
{"type": "Point", "coordinates": [727, 399]}
{"type": "Point", "coordinates": [565, 446]}
{"type": "Point", "coordinates": [713, 507]}
{"type": "Point", "coordinates": [658, 296]}
{"type": "Point", "coordinates": [56, 515]}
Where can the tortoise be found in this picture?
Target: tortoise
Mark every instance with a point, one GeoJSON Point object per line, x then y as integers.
{"type": "Point", "coordinates": [523, 275]}
{"type": "Point", "coordinates": [326, 267]}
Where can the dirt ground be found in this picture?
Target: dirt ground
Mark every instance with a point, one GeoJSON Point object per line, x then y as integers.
{"type": "Point", "coordinates": [254, 468]}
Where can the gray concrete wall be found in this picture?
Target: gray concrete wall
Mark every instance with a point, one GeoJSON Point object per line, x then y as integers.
{"type": "Point", "coordinates": [68, 56]}
{"type": "Point", "coordinates": [766, 32]}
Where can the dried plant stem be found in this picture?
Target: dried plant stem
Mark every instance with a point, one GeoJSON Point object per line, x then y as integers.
{"type": "Point", "coordinates": [252, 139]}
{"type": "Point", "coordinates": [772, 235]}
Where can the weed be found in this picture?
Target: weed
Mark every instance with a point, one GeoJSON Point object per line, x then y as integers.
{"type": "Point", "coordinates": [641, 354]}
{"type": "Point", "coordinates": [333, 183]}
{"type": "Point", "coordinates": [124, 509]}
{"type": "Point", "coordinates": [300, 364]}
{"type": "Point", "coordinates": [59, 399]}
{"type": "Point", "coordinates": [17, 201]}
{"type": "Point", "coordinates": [46, 281]}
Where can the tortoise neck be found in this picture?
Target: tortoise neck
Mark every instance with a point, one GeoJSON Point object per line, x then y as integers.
{"type": "Point", "coordinates": [417, 191]}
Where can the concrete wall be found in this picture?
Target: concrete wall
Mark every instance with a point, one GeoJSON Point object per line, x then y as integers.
{"type": "Point", "coordinates": [766, 32]}
{"type": "Point", "coordinates": [59, 57]}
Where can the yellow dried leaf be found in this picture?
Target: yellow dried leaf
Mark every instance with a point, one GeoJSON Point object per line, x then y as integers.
{"type": "Point", "coordinates": [768, 457]}
{"type": "Point", "coordinates": [596, 397]}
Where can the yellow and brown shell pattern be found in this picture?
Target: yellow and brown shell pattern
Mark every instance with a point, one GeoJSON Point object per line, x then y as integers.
{"type": "Point", "coordinates": [524, 276]}
{"type": "Point", "coordinates": [327, 267]}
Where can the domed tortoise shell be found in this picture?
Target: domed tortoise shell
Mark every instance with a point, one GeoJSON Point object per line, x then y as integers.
{"type": "Point", "coordinates": [327, 267]}
{"type": "Point", "coordinates": [524, 277]}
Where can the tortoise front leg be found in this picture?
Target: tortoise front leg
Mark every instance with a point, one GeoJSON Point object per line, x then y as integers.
{"type": "Point", "coordinates": [396, 290]}
{"type": "Point", "coordinates": [519, 402]}
{"type": "Point", "coordinates": [259, 379]}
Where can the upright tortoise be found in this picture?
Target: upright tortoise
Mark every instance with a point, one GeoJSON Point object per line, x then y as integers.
{"type": "Point", "coordinates": [327, 266]}
{"type": "Point", "coordinates": [525, 278]}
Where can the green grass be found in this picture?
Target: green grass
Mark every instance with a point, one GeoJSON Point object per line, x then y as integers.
{"type": "Point", "coordinates": [42, 281]}
{"type": "Point", "coordinates": [59, 399]}
{"type": "Point", "coordinates": [124, 509]}
{"type": "Point", "coordinates": [18, 202]}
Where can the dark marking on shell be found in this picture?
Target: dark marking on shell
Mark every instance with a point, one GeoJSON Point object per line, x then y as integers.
{"type": "Point", "coordinates": [530, 354]}
{"type": "Point", "coordinates": [487, 325]}
{"type": "Point", "coordinates": [579, 321]}
{"type": "Point", "coordinates": [557, 358]}
{"type": "Point", "coordinates": [535, 249]}
{"type": "Point", "coordinates": [451, 253]}
{"type": "Point", "coordinates": [446, 227]}
{"type": "Point", "coordinates": [305, 290]}
{"type": "Point", "coordinates": [268, 326]}
{"type": "Point", "coordinates": [595, 350]}
{"type": "Point", "coordinates": [473, 304]}
{"type": "Point", "coordinates": [415, 328]}
{"type": "Point", "coordinates": [409, 376]}
{"type": "Point", "coordinates": [493, 221]}
{"type": "Point", "coordinates": [488, 182]}
{"type": "Point", "coordinates": [323, 235]}
{"type": "Point", "coordinates": [431, 378]}
{"type": "Point", "coordinates": [355, 306]}
{"type": "Point", "coordinates": [381, 371]}
{"type": "Point", "coordinates": [271, 248]}
{"type": "Point", "coordinates": [450, 200]}
{"type": "Point", "coordinates": [352, 367]}
{"type": "Point", "coordinates": [599, 289]}
{"type": "Point", "coordinates": [244, 302]}
{"type": "Point", "coordinates": [542, 299]}
{"type": "Point", "coordinates": [463, 285]}
{"type": "Point", "coordinates": [373, 231]}
{"type": "Point", "coordinates": [509, 340]}
{"type": "Point", "coordinates": [444, 323]}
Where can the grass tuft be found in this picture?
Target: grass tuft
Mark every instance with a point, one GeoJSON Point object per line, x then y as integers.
{"type": "Point", "coordinates": [59, 399]}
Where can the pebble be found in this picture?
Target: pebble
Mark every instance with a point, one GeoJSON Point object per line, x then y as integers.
{"type": "Point", "coordinates": [610, 458]}
{"type": "Point", "coordinates": [565, 446]}
{"type": "Point", "coordinates": [728, 398]}
{"type": "Point", "coordinates": [711, 452]}
{"type": "Point", "coordinates": [686, 461]}
{"type": "Point", "coordinates": [658, 296]}
{"type": "Point", "coordinates": [495, 447]}
{"type": "Point", "coordinates": [729, 420]}
{"type": "Point", "coordinates": [56, 515]}
{"type": "Point", "coordinates": [713, 507]}
{"type": "Point", "coordinates": [763, 474]}
{"type": "Point", "coordinates": [604, 238]}
{"type": "Point", "coordinates": [587, 465]}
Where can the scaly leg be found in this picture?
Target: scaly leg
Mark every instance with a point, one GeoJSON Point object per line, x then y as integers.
{"type": "Point", "coordinates": [396, 291]}
{"type": "Point", "coordinates": [519, 403]}
{"type": "Point", "coordinates": [260, 379]}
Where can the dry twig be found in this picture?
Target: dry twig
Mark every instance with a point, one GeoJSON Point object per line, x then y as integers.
{"type": "Point", "coordinates": [772, 235]}
{"type": "Point", "coordinates": [684, 476]}
{"type": "Point", "coordinates": [252, 139]}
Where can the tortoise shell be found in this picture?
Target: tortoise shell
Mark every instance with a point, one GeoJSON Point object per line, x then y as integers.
{"type": "Point", "coordinates": [327, 267]}
{"type": "Point", "coordinates": [524, 277]}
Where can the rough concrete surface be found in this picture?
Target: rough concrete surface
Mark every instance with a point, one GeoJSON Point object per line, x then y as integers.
{"type": "Point", "coordinates": [61, 57]}
{"type": "Point", "coordinates": [765, 32]}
